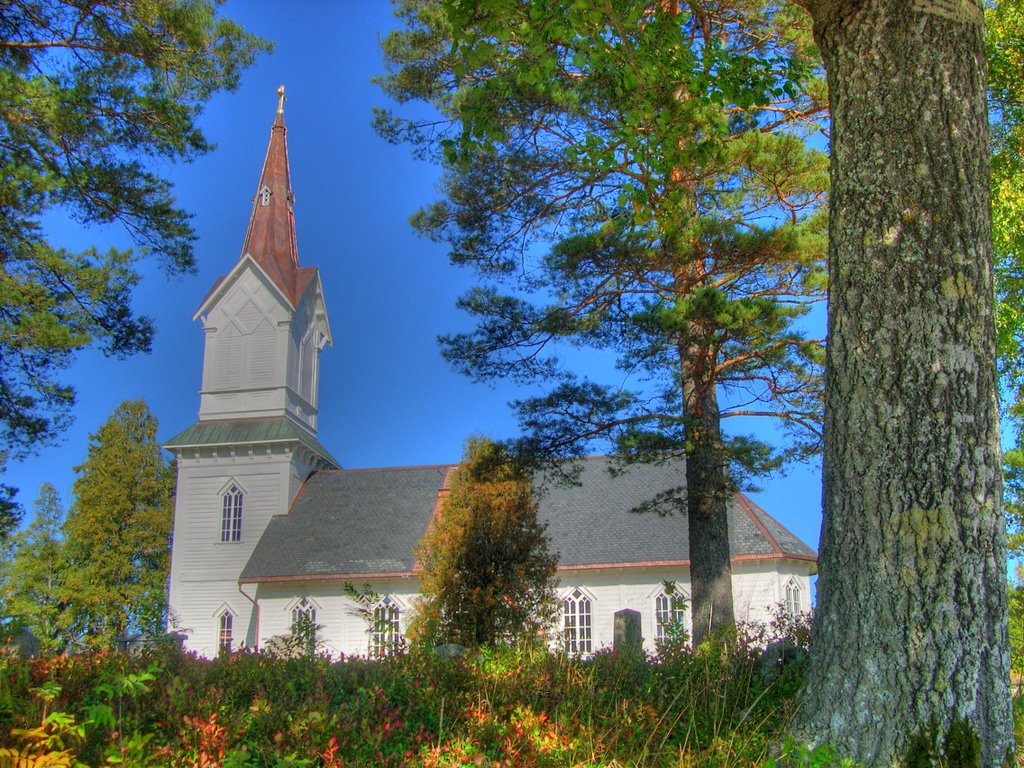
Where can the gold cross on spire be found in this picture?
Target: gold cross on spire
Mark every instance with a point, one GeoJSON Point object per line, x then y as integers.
{"type": "Point", "coordinates": [280, 99]}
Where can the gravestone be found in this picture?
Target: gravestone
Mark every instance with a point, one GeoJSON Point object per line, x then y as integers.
{"type": "Point", "coordinates": [628, 637]}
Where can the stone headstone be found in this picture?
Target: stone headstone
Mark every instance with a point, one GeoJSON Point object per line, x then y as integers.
{"type": "Point", "coordinates": [451, 651]}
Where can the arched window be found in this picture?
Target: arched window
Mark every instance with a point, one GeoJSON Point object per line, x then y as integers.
{"type": "Point", "coordinates": [669, 615]}
{"type": "Point", "coordinates": [794, 599]}
{"type": "Point", "coordinates": [303, 617]}
{"type": "Point", "coordinates": [231, 514]}
{"type": "Point", "coordinates": [577, 623]}
{"type": "Point", "coordinates": [225, 624]}
{"type": "Point", "coordinates": [385, 634]}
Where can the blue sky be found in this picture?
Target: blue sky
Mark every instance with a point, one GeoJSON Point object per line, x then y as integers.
{"type": "Point", "coordinates": [386, 396]}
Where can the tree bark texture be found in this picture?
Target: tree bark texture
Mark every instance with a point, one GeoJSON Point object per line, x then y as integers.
{"type": "Point", "coordinates": [911, 619]}
{"type": "Point", "coordinates": [707, 493]}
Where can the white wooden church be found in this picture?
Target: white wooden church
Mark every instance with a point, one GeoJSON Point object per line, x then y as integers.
{"type": "Point", "coordinates": [268, 526]}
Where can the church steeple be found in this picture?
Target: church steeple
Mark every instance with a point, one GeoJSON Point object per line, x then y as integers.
{"type": "Point", "coordinates": [266, 320]}
{"type": "Point", "coordinates": [270, 238]}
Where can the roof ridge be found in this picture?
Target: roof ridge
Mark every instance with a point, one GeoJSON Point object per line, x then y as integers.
{"type": "Point", "coordinates": [396, 469]}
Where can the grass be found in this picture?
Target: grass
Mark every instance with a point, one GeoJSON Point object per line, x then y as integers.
{"type": "Point", "coordinates": [521, 707]}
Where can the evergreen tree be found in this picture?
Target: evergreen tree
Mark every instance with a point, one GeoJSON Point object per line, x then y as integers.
{"type": "Point", "coordinates": [10, 509]}
{"type": "Point", "coordinates": [34, 574]}
{"type": "Point", "coordinates": [118, 532]}
{"type": "Point", "coordinates": [631, 177]}
{"type": "Point", "coordinates": [90, 94]}
{"type": "Point", "coordinates": [910, 631]}
{"type": "Point", "coordinates": [487, 575]}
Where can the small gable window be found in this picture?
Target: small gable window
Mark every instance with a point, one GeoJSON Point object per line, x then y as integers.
{"type": "Point", "coordinates": [669, 615]}
{"type": "Point", "coordinates": [225, 636]}
{"type": "Point", "coordinates": [264, 197]}
{"type": "Point", "coordinates": [794, 598]}
{"type": "Point", "coordinates": [231, 514]}
{"type": "Point", "coordinates": [385, 634]}
{"type": "Point", "coordinates": [577, 623]}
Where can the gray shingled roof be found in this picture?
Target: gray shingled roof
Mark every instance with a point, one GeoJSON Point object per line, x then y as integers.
{"type": "Point", "coordinates": [247, 431]}
{"type": "Point", "coordinates": [594, 522]}
{"type": "Point", "coordinates": [350, 523]}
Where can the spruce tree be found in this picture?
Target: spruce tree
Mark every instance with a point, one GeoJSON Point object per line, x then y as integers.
{"type": "Point", "coordinates": [34, 574]}
{"type": "Point", "coordinates": [487, 576]}
{"type": "Point", "coordinates": [631, 178]}
{"type": "Point", "coordinates": [118, 532]}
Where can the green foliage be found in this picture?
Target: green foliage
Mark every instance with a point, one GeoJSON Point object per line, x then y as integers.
{"type": "Point", "coordinates": [961, 747]}
{"type": "Point", "coordinates": [1015, 606]}
{"type": "Point", "coordinates": [487, 576]}
{"type": "Point", "coordinates": [659, 159]}
{"type": "Point", "coordinates": [117, 535]}
{"type": "Point", "coordinates": [1004, 28]}
{"type": "Point", "coordinates": [33, 575]}
{"type": "Point", "coordinates": [95, 98]}
{"type": "Point", "coordinates": [630, 178]}
{"type": "Point", "coordinates": [525, 706]}
{"type": "Point", "coordinates": [10, 510]}
{"type": "Point", "coordinates": [802, 756]}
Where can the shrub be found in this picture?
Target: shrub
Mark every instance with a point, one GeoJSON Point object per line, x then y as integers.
{"type": "Point", "coordinates": [523, 706]}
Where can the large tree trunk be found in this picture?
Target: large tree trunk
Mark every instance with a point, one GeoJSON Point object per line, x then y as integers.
{"type": "Point", "coordinates": [911, 620]}
{"type": "Point", "coordinates": [707, 493]}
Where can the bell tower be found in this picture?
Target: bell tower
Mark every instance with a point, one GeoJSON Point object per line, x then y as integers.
{"type": "Point", "coordinates": [265, 324]}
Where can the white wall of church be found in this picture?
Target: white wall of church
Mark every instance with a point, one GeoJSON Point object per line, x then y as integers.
{"type": "Point", "coordinates": [758, 589]}
{"type": "Point", "coordinates": [205, 569]}
{"type": "Point", "coordinates": [758, 586]}
{"type": "Point", "coordinates": [342, 631]}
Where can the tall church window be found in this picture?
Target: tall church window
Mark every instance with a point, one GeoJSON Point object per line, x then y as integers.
{"type": "Point", "coordinates": [303, 617]}
{"type": "Point", "coordinates": [231, 514]}
{"type": "Point", "coordinates": [225, 624]}
{"type": "Point", "coordinates": [669, 615]}
{"type": "Point", "coordinates": [385, 633]}
{"type": "Point", "coordinates": [577, 623]}
{"type": "Point", "coordinates": [794, 598]}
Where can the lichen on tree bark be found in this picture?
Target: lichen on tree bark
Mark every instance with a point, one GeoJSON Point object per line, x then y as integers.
{"type": "Point", "coordinates": [911, 623]}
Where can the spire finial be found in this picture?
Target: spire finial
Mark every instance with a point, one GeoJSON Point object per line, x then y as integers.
{"type": "Point", "coordinates": [280, 99]}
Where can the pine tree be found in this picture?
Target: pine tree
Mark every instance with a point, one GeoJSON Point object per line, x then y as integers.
{"type": "Point", "coordinates": [632, 178]}
{"type": "Point", "coordinates": [910, 631]}
{"type": "Point", "coordinates": [487, 576]}
{"type": "Point", "coordinates": [34, 574]}
{"type": "Point", "coordinates": [95, 99]}
{"type": "Point", "coordinates": [118, 532]}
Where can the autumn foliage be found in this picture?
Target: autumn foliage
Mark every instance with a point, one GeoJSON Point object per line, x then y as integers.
{"type": "Point", "coordinates": [487, 574]}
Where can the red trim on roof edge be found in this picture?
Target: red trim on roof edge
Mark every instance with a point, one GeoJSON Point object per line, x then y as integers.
{"type": "Point", "coordinates": [748, 506]}
{"type": "Point", "coordinates": [585, 567]}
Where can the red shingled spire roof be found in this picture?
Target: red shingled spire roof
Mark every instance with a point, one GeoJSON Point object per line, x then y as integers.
{"type": "Point", "coordinates": [270, 238]}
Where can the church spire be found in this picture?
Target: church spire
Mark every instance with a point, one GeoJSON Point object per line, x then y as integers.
{"type": "Point", "coordinates": [270, 238]}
